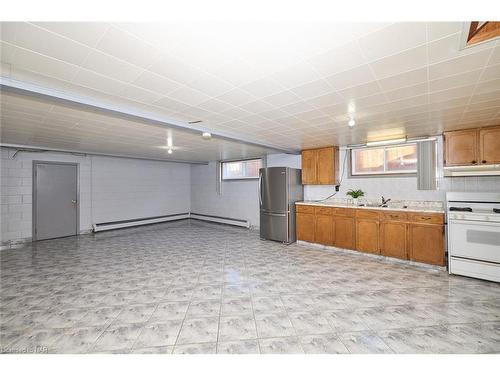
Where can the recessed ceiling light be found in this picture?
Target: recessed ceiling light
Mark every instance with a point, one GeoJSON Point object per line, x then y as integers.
{"type": "Point", "coordinates": [169, 151]}
{"type": "Point", "coordinates": [351, 122]}
{"type": "Point", "coordinates": [206, 135]}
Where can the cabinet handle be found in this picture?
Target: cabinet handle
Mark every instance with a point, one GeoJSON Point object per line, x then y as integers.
{"type": "Point", "coordinates": [473, 162]}
{"type": "Point", "coordinates": [425, 218]}
{"type": "Point", "coordinates": [484, 161]}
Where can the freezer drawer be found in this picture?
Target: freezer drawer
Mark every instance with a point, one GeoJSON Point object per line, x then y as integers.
{"type": "Point", "coordinates": [274, 226]}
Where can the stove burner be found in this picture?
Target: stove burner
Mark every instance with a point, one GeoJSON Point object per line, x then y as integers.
{"type": "Point", "coordinates": [496, 210]}
{"type": "Point", "coordinates": [465, 209]}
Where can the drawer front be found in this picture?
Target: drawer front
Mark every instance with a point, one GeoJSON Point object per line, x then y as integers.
{"type": "Point", "coordinates": [323, 210]}
{"type": "Point", "coordinates": [305, 209]}
{"type": "Point", "coordinates": [367, 214]}
{"type": "Point", "coordinates": [394, 216]}
{"type": "Point", "coordinates": [344, 212]}
{"type": "Point", "coordinates": [427, 218]}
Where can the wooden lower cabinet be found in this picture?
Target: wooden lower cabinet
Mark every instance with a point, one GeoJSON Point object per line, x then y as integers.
{"type": "Point", "coordinates": [367, 236]}
{"type": "Point", "coordinates": [394, 239]}
{"type": "Point", "coordinates": [344, 232]}
{"type": "Point", "coordinates": [323, 232]}
{"type": "Point", "coordinates": [405, 235]}
{"type": "Point", "coordinates": [305, 226]}
{"type": "Point", "coordinates": [426, 243]}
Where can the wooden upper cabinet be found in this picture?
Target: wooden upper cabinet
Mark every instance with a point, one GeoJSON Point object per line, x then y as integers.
{"type": "Point", "coordinates": [320, 166]}
{"type": "Point", "coordinates": [461, 147]}
{"type": "Point", "coordinates": [489, 145]}
{"type": "Point", "coordinates": [309, 167]}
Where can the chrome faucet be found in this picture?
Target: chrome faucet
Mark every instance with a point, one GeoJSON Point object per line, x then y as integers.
{"type": "Point", "coordinates": [385, 201]}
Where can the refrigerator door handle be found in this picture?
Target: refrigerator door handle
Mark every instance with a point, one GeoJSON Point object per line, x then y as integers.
{"type": "Point", "coordinates": [271, 214]}
{"type": "Point", "coordinates": [260, 188]}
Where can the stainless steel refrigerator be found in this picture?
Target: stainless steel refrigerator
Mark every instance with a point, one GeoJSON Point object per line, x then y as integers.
{"type": "Point", "coordinates": [279, 189]}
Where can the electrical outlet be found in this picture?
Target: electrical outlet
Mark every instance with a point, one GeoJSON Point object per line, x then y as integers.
{"type": "Point", "coordinates": [337, 187]}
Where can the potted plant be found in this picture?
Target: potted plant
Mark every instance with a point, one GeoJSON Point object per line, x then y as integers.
{"type": "Point", "coordinates": [355, 194]}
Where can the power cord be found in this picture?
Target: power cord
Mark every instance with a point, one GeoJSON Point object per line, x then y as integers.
{"type": "Point", "coordinates": [340, 181]}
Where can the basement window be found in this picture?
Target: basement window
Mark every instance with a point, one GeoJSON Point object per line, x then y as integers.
{"type": "Point", "coordinates": [384, 160]}
{"type": "Point", "coordinates": [241, 169]}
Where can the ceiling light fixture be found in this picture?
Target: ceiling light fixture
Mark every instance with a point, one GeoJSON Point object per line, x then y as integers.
{"type": "Point", "coordinates": [386, 142]}
{"type": "Point", "coordinates": [206, 135]}
{"type": "Point", "coordinates": [351, 122]}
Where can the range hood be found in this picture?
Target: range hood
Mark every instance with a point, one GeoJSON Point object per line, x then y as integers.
{"type": "Point", "coordinates": [473, 170]}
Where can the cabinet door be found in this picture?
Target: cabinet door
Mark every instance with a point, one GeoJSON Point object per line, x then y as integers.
{"type": "Point", "coordinates": [489, 145]}
{"type": "Point", "coordinates": [324, 230]}
{"type": "Point", "coordinates": [344, 232]}
{"type": "Point", "coordinates": [367, 236]}
{"type": "Point", "coordinates": [326, 166]}
{"type": "Point", "coordinates": [305, 227]}
{"type": "Point", "coordinates": [309, 167]}
{"type": "Point", "coordinates": [393, 239]}
{"type": "Point", "coordinates": [461, 147]}
{"type": "Point", "coordinates": [427, 243]}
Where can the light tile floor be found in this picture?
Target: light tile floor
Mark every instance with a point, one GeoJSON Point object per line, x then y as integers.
{"type": "Point", "coordinates": [194, 287]}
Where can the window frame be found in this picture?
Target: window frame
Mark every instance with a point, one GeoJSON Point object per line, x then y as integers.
{"type": "Point", "coordinates": [236, 161]}
{"type": "Point", "coordinates": [380, 174]}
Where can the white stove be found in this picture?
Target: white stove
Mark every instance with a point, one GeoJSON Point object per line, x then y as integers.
{"type": "Point", "coordinates": [474, 234]}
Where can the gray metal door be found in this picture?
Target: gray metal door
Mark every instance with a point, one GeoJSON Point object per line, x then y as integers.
{"type": "Point", "coordinates": [273, 189]}
{"type": "Point", "coordinates": [55, 200]}
{"type": "Point", "coordinates": [274, 226]}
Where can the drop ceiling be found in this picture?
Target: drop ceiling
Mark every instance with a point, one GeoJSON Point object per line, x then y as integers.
{"type": "Point", "coordinates": [289, 86]}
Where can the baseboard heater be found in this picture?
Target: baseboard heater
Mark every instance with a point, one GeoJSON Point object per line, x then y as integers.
{"type": "Point", "coordinates": [221, 219]}
{"type": "Point", "coordinates": [99, 227]}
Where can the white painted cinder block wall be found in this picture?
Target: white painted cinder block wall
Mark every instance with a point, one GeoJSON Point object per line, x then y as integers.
{"type": "Point", "coordinates": [111, 189]}
{"type": "Point", "coordinates": [239, 199]}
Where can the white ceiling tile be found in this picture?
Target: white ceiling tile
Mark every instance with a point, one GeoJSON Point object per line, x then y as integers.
{"type": "Point", "coordinates": [174, 69]}
{"type": "Point", "coordinates": [325, 100]}
{"type": "Point", "coordinates": [171, 104]}
{"type": "Point", "coordinates": [39, 40]}
{"type": "Point", "coordinates": [282, 98]}
{"type": "Point", "coordinates": [388, 41]}
{"type": "Point", "coordinates": [88, 33]}
{"type": "Point", "coordinates": [407, 92]}
{"type": "Point", "coordinates": [296, 75]}
{"type": "Point", "coordinates": [360, 91]}
{"type": "Point", "coordinates": [214, 105]}
{"type": "Point", "coordinates": [457, 80]}
{"type": "Point", "coordinates": [449, 48]}
{"type": "Point", "coordinates": [25, 59]}
{"type": "Point", "coordinates": [257, 106]}
{"type": "Point", "coordinates": [459, 65]}
{"type": "Point", "coordinates": [458, 92]}
{"type": "Point", "coordinates": [111, 67]}
{"type": "Point", "coordinates": [338, 59]}
{"type": "Point", "coordinates": [297, 108]}
{"type": "Point", "coordinates": [156, 83]}
{"type": "Point", "coordinates": [236, 97]}
{"type": "Point", "coordinates": [237, 73]}
{"type": "Point", "coordinates": [210, 85]}
{"type": "Point", "coordinates": [484, 87]}
{"type": "Point", "coordinates": [140, 95]}
{"type": "Point", "coordinates": [400, 63]}
{"type": "Point", "coordinates": [236, 112]}
{"type": "Point", "coordinates": [99, 82]}
{"type": "Point", "coordinates": [404, 79]}
{"type": "Point", "coordinates": [495, 56]}
{"type": "Point", "coordinates": [312, 89]}
{"type": "Point", "coordinates": [124, 46]}
{"type": "Point", "coordinates": [262, 87]}
{"type": "Point", "coordinates": [189, 96]}
{"type": "Point", "coordinates": [352, 77]}
{"type": "Point", "coordinates": [437, 30]}
{"type": "Point", "coordinates": [490, 72]}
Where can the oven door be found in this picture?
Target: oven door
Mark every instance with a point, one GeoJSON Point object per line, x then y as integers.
{"type": "Point", "coordinates": [474, 240]}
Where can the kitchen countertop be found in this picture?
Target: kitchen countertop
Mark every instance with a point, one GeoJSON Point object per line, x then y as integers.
{"type": "Point", "coordinates": [395, 207]}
